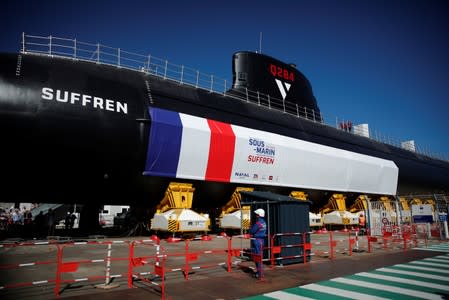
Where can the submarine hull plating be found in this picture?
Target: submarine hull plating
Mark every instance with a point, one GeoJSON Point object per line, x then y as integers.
{"type": "Point", "coordinates": [75, 131]}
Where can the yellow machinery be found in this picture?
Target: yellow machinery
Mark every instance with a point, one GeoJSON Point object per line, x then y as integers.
{"type": "Point", "coordinates": [416, 201]}
{"type": "Point", "coordinates": [174, 212]}
{"type": "Point", "coordinates": [360, 204]}
{"type": "Point", "coordinates": [232, 213]}
{"type": "Point", "coordinates": [360, 207]}
{"type": "Point", "coordinates": [314, 219]}
{"type": "Point", "coordinates": [405, 210]}
{"type": "Point", "coordinates": [335, 212]}
{"type": "Point", "coordinates": [387, 203]}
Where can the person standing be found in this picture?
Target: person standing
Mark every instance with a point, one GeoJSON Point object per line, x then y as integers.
{"type": "Point", "coordinates": [39, 225]}
{"type": "Point", "coordinates": [51, 222]}
{"type": "Point", "coordinates": [362, 224]}
{"type": "Point", "coordinates": [258, 232]}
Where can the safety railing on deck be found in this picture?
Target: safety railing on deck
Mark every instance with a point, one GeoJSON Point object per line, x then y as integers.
{"type": "Point", "coordinates": [148, 64]}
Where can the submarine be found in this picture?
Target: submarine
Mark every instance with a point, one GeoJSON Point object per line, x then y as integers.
{"type": "Point", "coordinates": [82, 125]}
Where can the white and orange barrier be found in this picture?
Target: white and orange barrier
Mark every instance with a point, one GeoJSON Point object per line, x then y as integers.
{"type": "Point", "coordinates": [62, 263]}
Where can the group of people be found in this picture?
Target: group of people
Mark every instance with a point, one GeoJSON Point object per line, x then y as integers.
{"type": "Point", "coordinates": [14, 219]}
{"type": "Point", "coordinates": [20, 223]}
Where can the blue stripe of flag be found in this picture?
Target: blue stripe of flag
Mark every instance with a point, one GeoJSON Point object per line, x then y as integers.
{"type": "Point", "coordinates": [164, 143]}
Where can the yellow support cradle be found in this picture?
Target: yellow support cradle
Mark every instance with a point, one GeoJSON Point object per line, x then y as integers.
{"type": "Point", "coordinates": [231, 217]}
{"type": "Point", "coordinates": [336, 202]}
{"type": "Point", "coordinates": [177, 195]}
{"type": "Point", "coordinates": [360, 204]}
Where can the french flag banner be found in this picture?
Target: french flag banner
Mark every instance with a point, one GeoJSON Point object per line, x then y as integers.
{"type": "Point", "coordinates": [189, 147]}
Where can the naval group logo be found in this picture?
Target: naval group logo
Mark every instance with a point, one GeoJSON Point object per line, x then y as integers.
{"type": "Point", "coordinates": [281, 76]}
{"type": "Point", "coordinates": [284, 87]}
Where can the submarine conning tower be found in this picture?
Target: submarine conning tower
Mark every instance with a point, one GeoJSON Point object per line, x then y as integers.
{"type": "Point", "coordinates": [272, 78]}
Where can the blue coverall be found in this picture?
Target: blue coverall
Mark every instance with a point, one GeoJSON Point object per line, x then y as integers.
{"type": "Point", "coordinates": [258, 232]}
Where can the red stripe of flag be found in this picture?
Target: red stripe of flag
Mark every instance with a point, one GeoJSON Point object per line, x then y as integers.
{"type": "Point", "coordinates": [221, 151]}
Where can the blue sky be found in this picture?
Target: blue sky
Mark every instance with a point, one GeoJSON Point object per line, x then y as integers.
{"type": "Point", "coordinates": [385, 63]}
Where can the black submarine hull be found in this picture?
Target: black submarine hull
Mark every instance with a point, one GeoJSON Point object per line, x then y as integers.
{"type": "Point", "coordinates": [77, 132]}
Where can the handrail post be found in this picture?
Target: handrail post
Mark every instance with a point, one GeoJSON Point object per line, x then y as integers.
{"type": "Point", "coordinates": [297, 110]}
{"type": "Point", "coordinates": [74, 48]}
{"type": "Point", "coordinates": [246, 91]}
{"type": "Point", "coordinates": [211, 83]}
{"type": "Point", "coordinates": [258, 98]}
{"type": "Point", "coordinates": [305, 113]}
{"type": "Point", "coordinates": [118, 57]}
{"type": "Point", "coordinates": [182, 73]}
{"type": "Point", "coordinates": [166, 66]}
{"type": "Point", "coordinates": [98, 53]}
{"type": "Point", "coordinates": [313, 113]}
{"type": "Point", "coordinates": [224, 93]}
{"type": "Point", "coordinates": [283, 104]}
{"type": "Point", "coordinates": [269, 102]}
{"type": "Point", "coordinates": [23, 41]}
{"type": "Point", "coordinates": [49, 45]}
{"type": "Point", "coordinates": [197, 78]}
{"type": "Point", "coordinates": [149, 60]}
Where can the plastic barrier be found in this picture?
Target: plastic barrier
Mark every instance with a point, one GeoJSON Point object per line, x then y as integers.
{"type": "Point", "coordinates": [341, 242]}
{"type": "Point", "coordinates": [322, 244]}
{"type": "Point", "coordinates": [63, 262]}
{"type": "Point", "coordinates": [302, 246]}
{"type": "Point", "coordinates": [396, 237]}
{"type": "Point", "coordinates": [338, 242]}
{"type": "Point", "coordinates": [156, 262]}
{"type": "Point", "coordinates": [401, 237]}
{"type": "Point", "coordinates": [11, 271]}
{"type": "Point", "coordinates": [196, 259]}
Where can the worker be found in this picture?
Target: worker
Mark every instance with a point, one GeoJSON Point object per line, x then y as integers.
{"type": "Point", "coordinates": [258, 232]}
{"type": "Point", "coordinates": [362, 223]}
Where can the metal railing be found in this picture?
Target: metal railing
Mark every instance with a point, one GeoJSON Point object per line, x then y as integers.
{"type": "Point", "coordinates": [117, 57]}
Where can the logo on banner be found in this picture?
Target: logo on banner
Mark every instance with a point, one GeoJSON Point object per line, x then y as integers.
{"type": "Point", "coordinates": [241, 175]}
{"type": "Point", "coordinates": [262, 152]}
